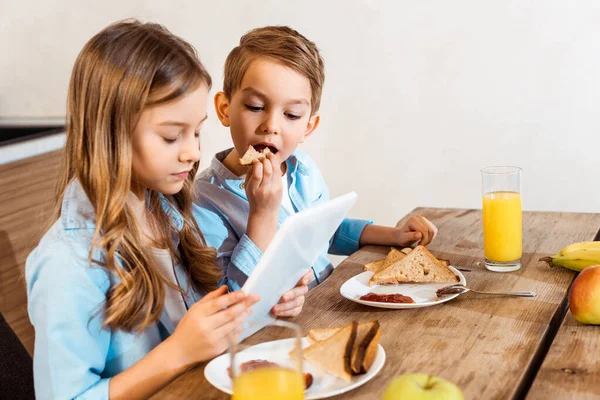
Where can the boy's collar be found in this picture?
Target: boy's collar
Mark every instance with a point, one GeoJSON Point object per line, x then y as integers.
{"type": "Point", "coordinates": [220, 169]}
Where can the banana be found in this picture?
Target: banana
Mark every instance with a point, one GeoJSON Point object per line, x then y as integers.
{"type": "Point", "coordinates": [578, 246]}
{"type": "Point", "coordinates": [576, 256]}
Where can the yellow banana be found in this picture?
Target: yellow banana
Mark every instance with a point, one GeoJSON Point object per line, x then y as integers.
{"type": "Point", "coordinates": [576, 256]}
{"type": "Point", "coordinates": [578, 246]}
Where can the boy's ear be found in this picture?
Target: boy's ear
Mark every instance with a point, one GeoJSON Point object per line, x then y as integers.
{"type": "Point", "coordinates": [222, 108]}
{"type": "Point", "coordinates": [312, 124]}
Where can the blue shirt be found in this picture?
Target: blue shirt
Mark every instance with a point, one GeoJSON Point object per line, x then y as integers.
{"type": "Point", "coordinates": [223, 210]}
{"type": "Point", "coordinates": [74, 356]}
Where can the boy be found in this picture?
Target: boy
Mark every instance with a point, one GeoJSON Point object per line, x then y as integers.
{"type": "Point", "coordinates": [270, 100]}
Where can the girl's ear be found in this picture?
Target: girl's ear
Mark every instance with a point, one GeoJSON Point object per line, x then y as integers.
{"type": "Point", "coordinates": [222, 108]}
{"type": "Point", "coordinates": [312, 124]}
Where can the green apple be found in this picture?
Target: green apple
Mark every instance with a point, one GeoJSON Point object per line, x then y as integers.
{"type": "Point", "coordinates": [422, 387]}
{"type": "Point", "coordinates": [584, 297]}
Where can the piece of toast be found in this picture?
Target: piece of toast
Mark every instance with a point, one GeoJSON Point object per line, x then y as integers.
{"type": "Point", "coordinates": [419, 266]}
{"type": "Point", "coordinates": [444, 262]}
{"type": "Point", "coordinates": [365, 345]}
{"type": "Point", "coordinates": [376, 266]}
{"type": "Point", "coordinates": [317, 335]}
{"type": "Point", "coordinates": [393, 255]}
{"type": "Point", "coordinates": [334, 355]}
{"type": "Point", "coordinates": [252, 154]}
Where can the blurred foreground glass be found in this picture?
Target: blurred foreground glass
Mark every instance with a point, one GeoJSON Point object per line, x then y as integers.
{"type": "Point", "coordinates": [284, 380]}
{"type": "Point", "coordinates": [502, 218]}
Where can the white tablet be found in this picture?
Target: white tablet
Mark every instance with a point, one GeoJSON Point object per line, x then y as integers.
{"type": "Point", "coordinates": [295, 247]}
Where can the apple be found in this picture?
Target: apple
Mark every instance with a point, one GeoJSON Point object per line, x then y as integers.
{"type": "Point", "coordinates": [422, 387]}
{"type": "Point", "coordinates": [584, 297]}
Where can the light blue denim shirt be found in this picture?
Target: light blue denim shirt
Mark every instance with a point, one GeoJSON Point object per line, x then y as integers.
{"type": "Point", "coordinates": [222, 214]}
{"type": "Point", "coordinates": [74, 356]}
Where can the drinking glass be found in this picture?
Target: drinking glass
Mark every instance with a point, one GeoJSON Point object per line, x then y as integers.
{"type": "Point", "coordinates": [502, 218]}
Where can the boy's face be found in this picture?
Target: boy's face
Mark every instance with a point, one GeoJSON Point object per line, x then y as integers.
{"type": "Point", "coordinates": [270, 109]}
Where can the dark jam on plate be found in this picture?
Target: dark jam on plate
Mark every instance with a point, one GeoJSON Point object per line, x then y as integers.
{"type": "Point", "coordinates": [387, 298]}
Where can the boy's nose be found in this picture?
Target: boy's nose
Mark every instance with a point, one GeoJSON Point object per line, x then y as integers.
{"type": "Point", "coordinates": [270, 125]}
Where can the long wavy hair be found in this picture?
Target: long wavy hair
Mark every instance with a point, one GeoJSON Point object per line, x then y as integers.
{"type": "Point", "coordinates": [126, 67]}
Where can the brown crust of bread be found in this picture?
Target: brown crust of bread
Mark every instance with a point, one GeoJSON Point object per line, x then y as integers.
{"type": "Point", "coordinates": [371, 352]}
{"type": "Point", "coordinates": [349, 348]}
{"type": "Point", "coordinates": [358, 366]}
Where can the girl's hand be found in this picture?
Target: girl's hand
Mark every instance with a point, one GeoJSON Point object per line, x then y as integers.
{"type": "Point", "coordinates": [203, 331]}
{"type": "Point", "coordinates": [292, 302]}
{"type": "Point", "coordinates": [263, 186]}
{"type": "Point", "coordinates": [416, 229]}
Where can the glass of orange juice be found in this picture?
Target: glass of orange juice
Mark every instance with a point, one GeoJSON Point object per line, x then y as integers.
{"type": "Point", "coordinates": [269, 370]}
{"type": "Point", "coordinates": [502, 218]}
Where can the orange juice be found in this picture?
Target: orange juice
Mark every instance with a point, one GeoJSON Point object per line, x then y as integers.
{"type": "Point", "coordinates": [502, 226]}
{"type": "Point", "coordinates": [269, 384]}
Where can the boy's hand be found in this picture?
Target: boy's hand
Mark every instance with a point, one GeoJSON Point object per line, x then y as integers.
{"type": "Point", "coordinates": [415, 229]}
{"type": "Point", "coordinates": [263, 186]}
{"type": "Point", "coordinates": [264, 190]}
{"type": "Point", "coordinates": [291, 303]}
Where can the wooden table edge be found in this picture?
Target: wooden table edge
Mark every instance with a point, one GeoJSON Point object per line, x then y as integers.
{"type": "Point", "coordinates": [548, 339]}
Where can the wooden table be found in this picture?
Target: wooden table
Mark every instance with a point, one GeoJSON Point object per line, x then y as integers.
{"type": "Point", "coordinates": [571, 369]}
{"type": "Point", "coordinates": [492, 348]}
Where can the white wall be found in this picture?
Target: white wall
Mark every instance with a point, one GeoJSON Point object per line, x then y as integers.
{"type": "Point", "coordinates": [419, 95]}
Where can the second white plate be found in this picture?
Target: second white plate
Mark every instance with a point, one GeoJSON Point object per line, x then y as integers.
{"type": "Point", "coordinates": [422, 293]}
{"type": "Point", "coordinates": [277, 351]}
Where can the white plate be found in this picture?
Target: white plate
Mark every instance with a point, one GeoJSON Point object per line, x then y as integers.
{"type": "Point", "coordinates": [422, 293]}
{"type": "Point", "coordinates": [324, 385]}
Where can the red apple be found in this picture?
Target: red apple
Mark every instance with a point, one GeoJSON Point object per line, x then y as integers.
{"type": "Point", "coordinates": [584, 297]}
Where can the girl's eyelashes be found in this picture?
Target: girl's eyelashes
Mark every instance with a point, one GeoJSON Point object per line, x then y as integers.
{"type": "Point", "coordinates": [173, 140]}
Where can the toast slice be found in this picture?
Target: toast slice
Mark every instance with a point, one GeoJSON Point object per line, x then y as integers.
{"type": "Point", "coordinates": [379, 265]}
{"type": "Point", "coordinates": [376, 266]}
{"type": "Point", "coordinates": [334, 355]}
{"type": "Point", "coordinates": [418, 266]}
{"type": "Point", "coordinates": [317, 335]}
{"type": "Point", "coordinates": [406, 250]}
{"type": "Point", "coordinates": [252, 154]}
{"type": "Point", "coordinates": [365, 345]}
{"type": "Point", "coordinates": [444, 262]}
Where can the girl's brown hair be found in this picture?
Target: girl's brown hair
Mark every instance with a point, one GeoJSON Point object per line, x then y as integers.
{"type": "Point", "coordinates": [126, 67]}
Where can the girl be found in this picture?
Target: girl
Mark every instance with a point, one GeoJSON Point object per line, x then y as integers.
{"type": "Point", "coordinates": [123, 292]}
